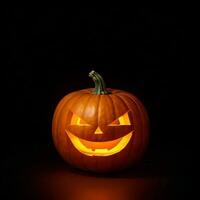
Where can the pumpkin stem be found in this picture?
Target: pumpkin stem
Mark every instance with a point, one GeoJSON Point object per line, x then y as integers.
{"type": "Point", "coordinates": [100, 86]}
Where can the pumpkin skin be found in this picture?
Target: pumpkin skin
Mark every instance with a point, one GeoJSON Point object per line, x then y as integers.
{"type": "Point", "coordinates": [98, 112]}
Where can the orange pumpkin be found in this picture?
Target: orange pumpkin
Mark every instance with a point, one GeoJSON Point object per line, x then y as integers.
{"type": "Point", "coordinates": [100, 129]}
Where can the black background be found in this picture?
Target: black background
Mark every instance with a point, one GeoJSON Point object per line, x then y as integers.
{"type": "Point", "coordinates": [49, 53]}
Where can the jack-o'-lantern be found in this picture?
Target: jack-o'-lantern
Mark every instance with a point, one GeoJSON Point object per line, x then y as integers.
{"type": "Point", "coordinates": [100, 129]}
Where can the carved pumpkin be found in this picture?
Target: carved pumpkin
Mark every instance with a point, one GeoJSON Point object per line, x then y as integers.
{"type": "Point", "coordinates": [100, 129]}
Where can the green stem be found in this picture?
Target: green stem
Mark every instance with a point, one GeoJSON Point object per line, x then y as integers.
{"type": "Point", "coordinates": [100, 86]}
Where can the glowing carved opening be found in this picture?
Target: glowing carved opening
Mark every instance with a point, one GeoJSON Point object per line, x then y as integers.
{"type": "Point", "coordinates": [122, 120]}
{"type": "Point", "coordinates": [76, 120]}
{"type": "Point", "coordinates": [99, 148]}
{"type": "Point", "coordinates": [98, 131]}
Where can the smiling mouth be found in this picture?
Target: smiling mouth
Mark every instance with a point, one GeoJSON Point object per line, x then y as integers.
{"type": "Point", "coordinates": [106, 148]}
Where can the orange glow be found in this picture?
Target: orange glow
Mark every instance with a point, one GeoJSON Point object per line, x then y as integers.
{"type": "Point", "coordinates": [99, 148]}
{"type": "Point", "coordinates": [122, 120]}
{"type": "Point", "coordinates": [98, 131]}
{"type": "Point", "coordinates": [76, 120]}
{"type": "Point", "coordinates": [56, 181]}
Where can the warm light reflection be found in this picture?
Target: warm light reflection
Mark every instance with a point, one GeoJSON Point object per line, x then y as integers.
{"type": "Point", "coordinates": [55, 181]}
{"type": "Point", "coordinates": [99, 148]}
{"type": "Point", "coordinates": [122, 120]}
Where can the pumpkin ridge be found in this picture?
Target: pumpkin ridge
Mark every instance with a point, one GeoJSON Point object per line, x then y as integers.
{"type": "Point", "coordinates": [98, 106]}
{"type": "Point", "coordinates": [128, 107]}
{"type": "Point", "coordinates": [142, 110]}
{"type": "Point", "coordinates": [113, 109]}
{"type": "Point", "coordinates": [135, 101]}
{"type": "Point", "coordinates": [122, 100]}
{"type": "Point", "coordinates": [88, 100]}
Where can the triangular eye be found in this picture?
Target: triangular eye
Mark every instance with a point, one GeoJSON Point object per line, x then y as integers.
{"type": "Point", "coordinates": [122, 120]}
{"type": "Point", "coordinates": [76, 120]}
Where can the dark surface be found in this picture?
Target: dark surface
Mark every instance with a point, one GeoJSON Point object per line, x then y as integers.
{"type": "Point", "coordinates": [53, 179]}
{"type": "Point", "coordinates": [49, 53]}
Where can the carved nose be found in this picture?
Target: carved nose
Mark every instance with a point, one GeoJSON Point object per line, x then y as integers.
{"type": "Point", "coordinates": [98, 131]}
